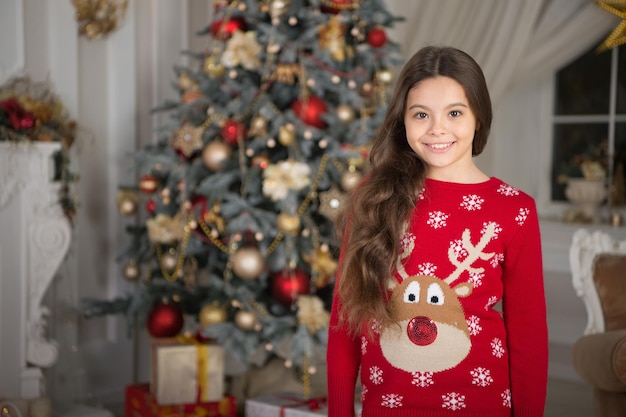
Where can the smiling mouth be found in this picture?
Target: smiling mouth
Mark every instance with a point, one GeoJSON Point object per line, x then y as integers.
{"type": "Point", "coordinates": [440, 146]}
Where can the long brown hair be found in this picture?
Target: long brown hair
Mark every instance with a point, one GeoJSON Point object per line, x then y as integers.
{"type": "Point", "coordinates": [371, 226]}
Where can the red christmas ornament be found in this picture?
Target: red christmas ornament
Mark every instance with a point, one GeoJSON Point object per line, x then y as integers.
{"type": "Point", "coordinates": [224, 28]}
{"type": "Point", "coordinates": [165, 320]}
{"type": "Point", "coordinates": [148, 184]}
{"type": "Point", "coordinates": [288, 284]}
{"type": "Point", "coordinates": [335, 6]}
{"type": "Point", "coordinates": [233, 130]}
{"type": "Point", "coordinates": [310, 111]}
{"type": "Point", "coordinates": [376, 37]}
{"type": "Point", "coordinates": [150, 206]}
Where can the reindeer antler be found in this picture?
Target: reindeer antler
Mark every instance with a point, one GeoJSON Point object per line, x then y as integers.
{"type": "Point", "coordinates": [474, 253]}
{"type": "Point", "coordinates": [407, 249]}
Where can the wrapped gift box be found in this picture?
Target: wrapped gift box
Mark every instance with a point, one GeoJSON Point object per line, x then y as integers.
{"type": "Point", "coordinates": [289, 405]}
{"type": "Point", "coordinates": [139, 402]}
{"type": "Point", "coordinates": [186, 371]}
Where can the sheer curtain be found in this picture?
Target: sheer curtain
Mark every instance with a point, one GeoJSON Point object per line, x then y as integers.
{"type": "Point", "coordinates": [514, 41]}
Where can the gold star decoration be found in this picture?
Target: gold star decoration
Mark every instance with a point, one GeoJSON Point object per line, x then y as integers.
{"type": "Point", "coordinates": [331, 202]}
{"type": "Point", "coordinates": [188, 140]}
{"type": "Point", "coordinates": [618, 36]}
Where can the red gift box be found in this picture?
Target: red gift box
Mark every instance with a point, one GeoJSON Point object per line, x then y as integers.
{"type": "Point", "coordinates": [139, 402]}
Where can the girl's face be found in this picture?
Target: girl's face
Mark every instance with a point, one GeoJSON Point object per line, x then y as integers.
{"type": "Point", "coordinates": [440, 127]}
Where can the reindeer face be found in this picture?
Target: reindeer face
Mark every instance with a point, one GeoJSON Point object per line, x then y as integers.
{"type": "Point", "coordinates": [432, 333]}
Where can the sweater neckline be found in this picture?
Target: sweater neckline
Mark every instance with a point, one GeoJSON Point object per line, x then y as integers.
{"type": "Point", "coordinates": [439, 184]}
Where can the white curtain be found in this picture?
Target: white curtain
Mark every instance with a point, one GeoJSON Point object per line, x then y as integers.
{"type": "Point", "coordinates": [514, 41]}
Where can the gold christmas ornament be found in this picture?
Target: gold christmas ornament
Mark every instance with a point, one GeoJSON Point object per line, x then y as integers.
{"type": "Point", "coordinates": [131, 270]}
{"type": "Point", "coordinates": [278, 8]}
{"type": "Point", "coordinates": [287, 134]}
{"type": "Point", "coordinates": [127, 202]}
{"type": "Point", "coordinates": [288, 223]}
{"type": "Point", "coordinates": [350, 180]}
{"type": "Point", "coordinates": [245, 320]}
{"type": "Point", "coordinates": [188, 140]}
{"type": "Point", "coordinates": [258, 126]}
{"type": "Point", "coordinates": [185, 82]}
{"type": "Point", "coordinates": [332, 37]}
{"type": "Point", "coordinates": [384, 76]}
{"type": "Point", "coordinates": [168, 261]}
{"type": "Point", "coordinates": [286, 73]}
{"type": "Point", "coordinates": [215, 153]}
{"type": "Point", "coordinates": [97, 18]}
{"type": "Point", "coordinates": [248, 263]}
{"type": "Point", "coordinates": [345, 113]}
{"type": "Point", "coordinates": [212, 314]}
{"type": "Point", "coordinates": [213, 67]}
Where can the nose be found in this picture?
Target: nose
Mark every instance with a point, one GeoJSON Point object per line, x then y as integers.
{"type": "Point", "coordinates": [421, 330]}
{"type": "Point", "coordinates": [437, 127]}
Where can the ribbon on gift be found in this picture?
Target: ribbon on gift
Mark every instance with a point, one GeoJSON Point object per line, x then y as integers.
{"type": "Point", "coordinates": [314, 404]}
{"type": "Point", "coordinates": [202, 353]}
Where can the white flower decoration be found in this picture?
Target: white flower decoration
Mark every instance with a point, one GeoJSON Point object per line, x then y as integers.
{"type": "Point", "coordinates": [311, 313]}
{"type": "Point", "coordinates": [242, 49]}
{"type": "Point", "coordinates": [165, 229]}
{"type": "Point", "coordinates": [287, 175]}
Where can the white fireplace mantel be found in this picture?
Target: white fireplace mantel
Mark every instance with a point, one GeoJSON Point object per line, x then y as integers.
{"type": "Point", "coordinates": [34, 239]}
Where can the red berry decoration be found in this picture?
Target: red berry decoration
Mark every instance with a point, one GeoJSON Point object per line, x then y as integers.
{"type": "Point", "coordinates": [310, 111]}
{"type": "Point", "coordinates": [150, 206]}
{"type": "Point", "coordinates": [233, 130]}
{"type": "Point", "coordinates": [288, 284]}
{"type": "Point", "coordinates": [224, 28]}
{"type": "Point", "coordinates": [376, 37]}
{"type": "Point", "coordinates": [335, 6]}
{"type": "Point", "coordinates": [165, 320]}
{"type": "Point", "coordinates": [148, 184]}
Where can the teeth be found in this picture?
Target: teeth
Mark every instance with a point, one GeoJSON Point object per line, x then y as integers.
{"type": "Point", "coordinates": [439, 145]}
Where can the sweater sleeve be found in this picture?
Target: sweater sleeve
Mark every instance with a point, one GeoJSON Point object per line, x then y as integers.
{"type": "Point", "coordinates": [343, 357]}
{"type": "Point", "coordinates": [524, 309]}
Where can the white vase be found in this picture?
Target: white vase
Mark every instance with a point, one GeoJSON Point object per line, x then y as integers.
{"type": "Point", "coordinates": [587, 196]}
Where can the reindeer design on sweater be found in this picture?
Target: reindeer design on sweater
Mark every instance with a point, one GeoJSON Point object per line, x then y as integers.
{"type": "Point", "coordinates": [430, 333]}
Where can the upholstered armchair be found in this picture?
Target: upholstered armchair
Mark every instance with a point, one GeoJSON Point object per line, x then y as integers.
{"type": "Point", "coordinates": [598, 264]}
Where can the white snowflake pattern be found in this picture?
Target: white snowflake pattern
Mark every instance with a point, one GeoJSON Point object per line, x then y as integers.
{"type": "Point", "coordinates": [491, 302]}
{"type": "Point", "coordinates": [473, 323]}
{"type": "Point", "coordinates": [472, 202]}
{"type": "Point", "coordinates": [497, 348]}
{"type": "Point", "coordinates": [459, 250]}
{"type": "Point", "coordinates": [522, 216]}
{"type": "Point", "coordinates": [407, 242]}
{"type": "Point", "coordinates": [453, 401]}
{"type": "Point", "coordinates": [496, 260]}
{"type": "Point", "coordinates": [363, 392]}
{"type": "Point", "coordinates": [376, 375]}
{"type": "Point", "coordinates": [420, 196]}
{"type": "Point", "coordinates": [437, 219]}
{"type": "Point", "coordinates": [481, 377]}
{"type": "Point", "coordinates": [427, 269]}
{"type": "Point", "coordinates": [422, 379]}
{"type": "Point", "coordinates": [506, 398]}
{"type": "Point", "coordinates": [476, 278]}
{"type": "Point", "coordinates": [363, 345]}
{"type": "Point", "coordinates": [496, 229]}
{"type": "Point", "coordinates": [391, 401]}
{"type": "Point", "coordinates": [507, 190]}
{"type": "Point", "coordinates": [376, 326]}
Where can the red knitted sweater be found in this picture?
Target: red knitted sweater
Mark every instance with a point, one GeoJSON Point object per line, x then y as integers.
{"type": "Point", "coordinates": [469, 249]}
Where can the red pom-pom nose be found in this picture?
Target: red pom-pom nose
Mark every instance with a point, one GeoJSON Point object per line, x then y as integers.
{"type": "Point", "coordinates": [421, 330]}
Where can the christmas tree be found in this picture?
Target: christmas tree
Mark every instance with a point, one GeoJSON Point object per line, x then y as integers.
{"type": "Point", "coordinates": [238, 198]}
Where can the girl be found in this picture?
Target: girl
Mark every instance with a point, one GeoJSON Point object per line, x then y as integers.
{"type": "Point", "coordinates": [432, 247]}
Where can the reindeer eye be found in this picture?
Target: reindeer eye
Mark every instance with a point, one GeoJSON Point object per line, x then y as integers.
{"type": "Point", "coordinates": [435, 294]}
{"type": "Point", "coordinates": [412, 292]}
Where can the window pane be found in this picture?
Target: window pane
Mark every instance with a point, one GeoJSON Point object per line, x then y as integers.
{"type": "Point", "coordinates": [583, 86]}
{"type": "Point", "coordinates": [619, 191]}
{"type": "Point", "coordinates": [621, 80]}
{"type": "Point", "coordinates": [574, 143]}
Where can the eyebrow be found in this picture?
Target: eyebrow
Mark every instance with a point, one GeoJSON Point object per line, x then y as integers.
{"type": "Point", "coordinates": [458, 104]}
